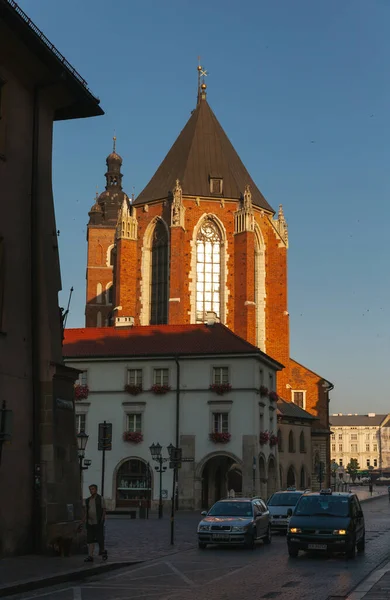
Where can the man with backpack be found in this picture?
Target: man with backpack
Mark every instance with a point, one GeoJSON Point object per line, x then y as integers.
{"type": "Point", "coordinates": [94, 517]}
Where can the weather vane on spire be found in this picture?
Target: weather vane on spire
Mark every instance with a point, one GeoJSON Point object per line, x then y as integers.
{"type": "Point", "coordinates": [202, 73]}
{"type": "Point", "coordinates": [114, 143]}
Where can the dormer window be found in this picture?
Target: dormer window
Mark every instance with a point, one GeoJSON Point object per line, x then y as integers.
{"type": "Point", "coordinates": [216, 186]}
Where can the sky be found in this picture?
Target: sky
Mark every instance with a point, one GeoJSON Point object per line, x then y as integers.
{"type": "Point", "coordinates": [302, 89]}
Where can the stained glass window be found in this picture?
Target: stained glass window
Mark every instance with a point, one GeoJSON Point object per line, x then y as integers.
{"type": "Point", "coordinates": [159, 276]}
{"type": "Point", "coordinates": [208, 270]}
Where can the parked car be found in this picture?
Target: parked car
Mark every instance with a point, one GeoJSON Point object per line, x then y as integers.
{"type": "Point", "coordinates": [327, 521]}
{"type": "Point", "coordinates": [235, 521]}
{"type": "Point", "coordinates": [281, 506]}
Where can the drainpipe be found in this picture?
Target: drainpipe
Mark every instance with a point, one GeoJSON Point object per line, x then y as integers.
{"type": "Point", "coordinates": [177, 433]}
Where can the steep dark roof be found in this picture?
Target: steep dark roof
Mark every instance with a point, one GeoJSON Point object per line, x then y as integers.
{"type": "Point", "coordinates": [201, 151]}
{"type": "Point", "coordinates": [289, 409]}
{"type": "Point", "coordinates": [158, 340]}
{"type": "Point", "coordinates": [341, 420]}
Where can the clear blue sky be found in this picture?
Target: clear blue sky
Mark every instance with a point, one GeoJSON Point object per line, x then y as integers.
{"type": "Point", "coordinates": [282, 75]}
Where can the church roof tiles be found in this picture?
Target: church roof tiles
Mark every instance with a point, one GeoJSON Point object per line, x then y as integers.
{"type": "Point", "coordinates": [157, 340]}
{"type": "Point", "coordinates": [202, 152]}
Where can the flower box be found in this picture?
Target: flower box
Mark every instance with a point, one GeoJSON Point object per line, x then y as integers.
{"type": "Point", "coordinates": [134, 390]}
{"type": "Point", "coordinates": [133, 436]}
{"type": "Point", "coordinates": [220, 388]}
{"type": "Point", "coordinates": [263, 391]}
{"type": "Point", "coordinates": [220, 438]}
{"type": "Point", "coordinates": [160, 389]}
{"type": "Point", "coordinates": [81, 392]}
{"type": "Point", "coordinates": [273, 396]}
{"type": "Point", "coordinates": [264, 438]}
{"type": "Point", "coordinates": [273, 440]}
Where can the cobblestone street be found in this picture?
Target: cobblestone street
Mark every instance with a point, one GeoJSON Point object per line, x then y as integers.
{"type": "Point", "coordinates": [227, 573]}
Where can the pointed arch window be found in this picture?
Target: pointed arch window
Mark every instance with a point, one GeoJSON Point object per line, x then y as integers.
{"type": "Point", "coordinates": [291, 442]}
{"type": "Point", "coordinates": [302, 447]}
{"type": "Point", "coordinates": [159, 276]}
{"type": "Point", "coordinates": [208, 270]}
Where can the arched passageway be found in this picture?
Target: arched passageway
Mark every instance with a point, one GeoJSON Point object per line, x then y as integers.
{"type": "Point", "coordinates": [221, 477]}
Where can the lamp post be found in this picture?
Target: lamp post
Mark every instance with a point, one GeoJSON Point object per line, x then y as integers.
{"type": "Point", "coordinates": [82, 439]}
{"type": "Point", "coordinates": [155, 451]}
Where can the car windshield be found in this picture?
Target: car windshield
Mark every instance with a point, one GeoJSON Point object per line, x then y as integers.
{"type": "Point", "coordinates": [330, 506]}
{"type": "Point", "coordinates": [284, 499]}
{"type": "Point", "coordinates": [231, 509]}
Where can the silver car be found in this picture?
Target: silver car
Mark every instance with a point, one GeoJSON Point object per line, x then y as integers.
{"type": "Point", "coordinates": [281, 506]}
{"type": "Point", "coordinates": [235, 521]}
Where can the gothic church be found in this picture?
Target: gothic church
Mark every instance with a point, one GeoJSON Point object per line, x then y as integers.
{"type": "Point", "coordinates": [200, 241]}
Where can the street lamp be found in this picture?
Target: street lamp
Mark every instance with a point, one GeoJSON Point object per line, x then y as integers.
{"type": "Point", "coordinates": [82, 439]}
{"type": "Point", "coordinates": [155, 451]}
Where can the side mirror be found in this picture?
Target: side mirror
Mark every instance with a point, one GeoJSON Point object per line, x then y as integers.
{"type": "Point", "coordinates": [289, 512]}
{"type": "Point", "coordinates": [204, 513]}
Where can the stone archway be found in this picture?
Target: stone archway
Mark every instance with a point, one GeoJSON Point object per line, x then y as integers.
{"type": "Point", "coordinates": [272, 476]}
{"type": "Point", "coordinates": [217, 474]}
{"type": "Point", "coordinates": [263, 474]}
{"type": "Point", "coordinates": [291, 478]}
{"type": "Point", "coordinates": [132, 483]}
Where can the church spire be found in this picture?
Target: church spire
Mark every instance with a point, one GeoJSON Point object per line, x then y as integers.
{"type": "Point", "coordinates": [114, 163]}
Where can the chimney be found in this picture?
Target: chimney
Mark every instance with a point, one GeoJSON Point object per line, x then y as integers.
{"type": "Point", "coordinates": [124, 321]}
{"type": "Point", "coordinates": [371, 415]}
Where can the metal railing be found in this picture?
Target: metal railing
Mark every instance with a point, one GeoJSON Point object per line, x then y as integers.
{"type": "Point", "coordinates": [51, 46]}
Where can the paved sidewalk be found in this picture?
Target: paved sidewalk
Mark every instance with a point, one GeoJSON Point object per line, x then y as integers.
{"type": "Point", "coordinates": [128, 541]}
{"type": "Point", "coordinates": [375, 587]}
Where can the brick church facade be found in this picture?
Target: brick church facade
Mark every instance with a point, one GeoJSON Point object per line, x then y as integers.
{"type": "Point", "coordinates": [200, 240]}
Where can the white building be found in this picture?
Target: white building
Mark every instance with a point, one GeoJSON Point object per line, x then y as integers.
{"type": "Point", "coordinates": [364, 437]}
{"type": "Point", "coordinates": [219, 428]}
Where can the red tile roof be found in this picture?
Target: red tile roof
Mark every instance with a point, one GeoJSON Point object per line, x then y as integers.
{"type": "Point", "coordinates": [156, 340]}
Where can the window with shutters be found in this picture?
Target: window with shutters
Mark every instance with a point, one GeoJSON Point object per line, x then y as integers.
{"type": "Point", "coordinates": [134, 377]}
{"type": "Point", "coordinates": [134, 422]}
{"type": "Point", "coordinates": [161, 377]}
{"type": "Point", "coordinates": [298, 397]}
{"type": "Point", "coordinates": [81, 420]}
{"type": "Point", "coordinates": [221, 422]}
{"type": "Point", "coordinates": [220, 375]}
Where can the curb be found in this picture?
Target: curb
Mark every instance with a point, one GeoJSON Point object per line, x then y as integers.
{"type": "Point", "coordinates": [35, 584]}
{"type": "Point", "coordinates": [364, 587]}
{"type": "Point", "coordinates": [373, 498]}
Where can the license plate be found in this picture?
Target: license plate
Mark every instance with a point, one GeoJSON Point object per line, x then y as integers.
{"type": "Point", "coordinates": [317, 547]}
{"type": "Point", "coordinates": [220, 536]}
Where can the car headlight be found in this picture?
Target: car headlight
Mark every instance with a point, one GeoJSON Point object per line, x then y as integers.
{"type": "Point", "coordinates": [339, 532]}
{"type": "Point", "coordinates": [240, 528]}
{"type": "Point", "coordinates": [295, 530]}
{"type": "Point", "coordinates": [204, 528]}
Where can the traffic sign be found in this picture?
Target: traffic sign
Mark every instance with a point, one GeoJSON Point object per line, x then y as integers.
{"type": "Point", "coordinates": [105, 436]}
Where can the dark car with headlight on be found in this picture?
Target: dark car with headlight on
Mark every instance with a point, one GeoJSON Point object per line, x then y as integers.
{"type": "Point", "coordinates": [235, 521]}
{"type": "Point", "coordinates": [327, 521]}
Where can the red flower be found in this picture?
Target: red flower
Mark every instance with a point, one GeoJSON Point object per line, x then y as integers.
{"type": "Point", "coordinates": [81, 392]}
{"type": "Point", "coordinates": [220, 438]}
{"type": "Point", "coordinates": [220, 388]}
{"type": "Point", "coordinates": [133, 436]}
{"type": "Point", "coordinates": [263, 391]}
{"type": "Point", "coordinates": [160, 389]}
{"type": "Point", "coordinates": [264, 437]}
{"type": "Point", "coordinates": [133, 389]}
{"type": "Point", "coordinates": [273, 440]}
{"type": "Point", "coordinates": [273, 396]}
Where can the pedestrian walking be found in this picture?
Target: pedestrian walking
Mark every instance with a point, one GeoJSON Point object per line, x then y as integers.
{"type": "Point", "coordinates": [94, 518]}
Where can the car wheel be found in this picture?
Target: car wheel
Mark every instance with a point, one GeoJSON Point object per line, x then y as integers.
{"type": "Point", "coordinates": [268, 537]}
{"type": "Point", "coordinates": [250, 544]}
{"type": "Point", "coordinates": [351, 552]}
{"type": "Point", "coordinates": [293, 552]}
{"type": "Point", "coordinates": [202, 545]}
{"type": "Point", "coordinates": [361, 544]}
